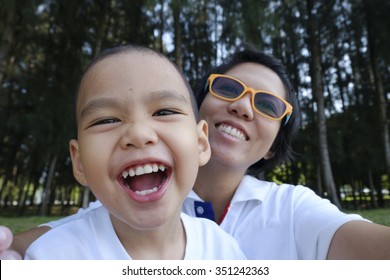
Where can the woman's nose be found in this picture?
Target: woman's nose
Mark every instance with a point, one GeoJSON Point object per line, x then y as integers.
{"type": "Point", "coordinates": [242, 107]}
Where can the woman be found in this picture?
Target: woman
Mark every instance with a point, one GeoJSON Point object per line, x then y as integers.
{"type": "Point", "coordinates": [252, 112]}
{"type": "Point", "coordinates": [250, 130]}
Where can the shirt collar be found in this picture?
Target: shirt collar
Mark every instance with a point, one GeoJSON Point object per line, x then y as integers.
{"type": "Point", "coordinates": [249, 188]}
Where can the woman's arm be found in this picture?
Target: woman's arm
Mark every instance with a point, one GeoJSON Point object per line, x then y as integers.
{"type": "Point", "coordinates": [360, 240]}
{"type": "Point", "coordinates": [22, 240]}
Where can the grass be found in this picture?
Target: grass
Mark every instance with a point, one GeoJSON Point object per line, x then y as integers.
{"type": "Point", "coordinates": [9, 217]}
{"type": "Point", "coordinates": [379, 216]}
{"type": "Point", "coordinates": [20, 224]}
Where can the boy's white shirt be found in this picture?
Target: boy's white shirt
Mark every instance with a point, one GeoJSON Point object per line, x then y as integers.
{"type": "Point", "coordinates": [92, 236]}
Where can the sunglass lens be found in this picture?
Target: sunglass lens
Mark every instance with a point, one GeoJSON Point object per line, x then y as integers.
{"type": "Point", "coordinates": [227, 88]}
{"type": "Point", "coordinates": [269, 105]}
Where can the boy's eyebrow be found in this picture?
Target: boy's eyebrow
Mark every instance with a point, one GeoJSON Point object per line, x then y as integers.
{"type": "Point", "coordinates": [166, 94]}
{"type": "Point", "coordinates": [100, 103]}
{"type": "Point", "coordinates": [114, 103]}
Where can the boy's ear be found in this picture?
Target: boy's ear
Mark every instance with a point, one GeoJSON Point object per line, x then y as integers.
{"type": "Point", "coordinates": [78, 171]}
{"type": "Point", "coordinates": [203, 142]}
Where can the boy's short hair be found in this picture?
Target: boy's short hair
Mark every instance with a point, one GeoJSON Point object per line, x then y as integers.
{"type": "Point", "coordinates": [122, 49]}
{"type": "Point", "coordinates": [282, 145]}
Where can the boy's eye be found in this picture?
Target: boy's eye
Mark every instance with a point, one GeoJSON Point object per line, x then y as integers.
{"type": "Point", "coordinates": [105, 121]}
{"type": "Point", "coordinates": [165, 112]}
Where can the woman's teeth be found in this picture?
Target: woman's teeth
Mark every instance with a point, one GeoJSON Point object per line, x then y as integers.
{"type": "Point", "coordinates": [232, 131]}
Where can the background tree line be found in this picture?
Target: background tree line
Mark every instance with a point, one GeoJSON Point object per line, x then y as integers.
{"type": "Point", "coordinates": [336, 52]}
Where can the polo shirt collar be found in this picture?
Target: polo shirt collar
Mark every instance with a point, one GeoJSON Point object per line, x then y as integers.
{"type": "Point", "coordinates": [249, 188]}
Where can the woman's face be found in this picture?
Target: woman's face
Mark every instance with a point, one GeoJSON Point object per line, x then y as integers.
{"type": "Point", "coordinates": [238, 135]}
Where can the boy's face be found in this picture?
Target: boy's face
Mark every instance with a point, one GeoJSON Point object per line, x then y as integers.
{"type": "Point", "coordinates": [135, 116]}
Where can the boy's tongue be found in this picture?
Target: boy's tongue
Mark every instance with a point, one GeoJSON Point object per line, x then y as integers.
{"type": "Point", "coordinates": [146, 181]}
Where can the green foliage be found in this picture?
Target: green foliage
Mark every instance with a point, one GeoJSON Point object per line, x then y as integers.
{"type": "Point", "coordinates": [45, 46]}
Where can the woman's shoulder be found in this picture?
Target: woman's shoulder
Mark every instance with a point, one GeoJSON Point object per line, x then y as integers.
{"type": "Point", "coordinates": [265, 189]}
{"type": "Point", "coordinates": [253, 181]}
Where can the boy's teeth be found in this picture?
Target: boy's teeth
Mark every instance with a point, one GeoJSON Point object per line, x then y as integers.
{"type": "Point", "coordinates": [145, 192]}
{"type": "Point", "coordinates": [161, 167]}
{"type": "Point", "coordinates": [148, 169]}
{"type": "Point", "coordinates": [143, 169]}
{"type": "Point", "coordinates": [139, 170]}
{"type": "Point", "coordinates": [131, 172]}
{"type": "Point", "coordinates": [232, 131]}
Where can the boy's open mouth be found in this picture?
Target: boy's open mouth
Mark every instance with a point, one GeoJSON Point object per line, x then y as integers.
{"type": "Point", "coordinates": [144, 179]}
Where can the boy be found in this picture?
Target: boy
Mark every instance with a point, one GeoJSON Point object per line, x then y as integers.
{"type": "Point", "coordinates": [138, 149]}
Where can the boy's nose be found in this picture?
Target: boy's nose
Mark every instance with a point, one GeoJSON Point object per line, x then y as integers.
{"type": "Point", "coordinates": [242, 107]}
{"type": "Point", "coordinates": [138, 135]}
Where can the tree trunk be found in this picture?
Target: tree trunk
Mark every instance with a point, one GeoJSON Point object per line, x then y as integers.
{"type": "Point", "coordinates": [48, 186]}
{"type": "Point", "coordinates": [317, 88]}
{"type": "Point", "coordinates": [86, 197]}
{"type": "Point", "coordinates": [374, 203]}
{"type": "Point", "coordinates": [376, 80]}
{"type": "Point", "coordinates": [354, 188]}
{"type": "Point", "coordinates": [7, 39]}
{"type": "Point", "coordinates": [101, 27]}
{"type": "Point", "coordinates": [320, 188]}
{"type": "Point", "coordinates": [161, 27]}
{"type": "Point", "coordinates": [177, 33]}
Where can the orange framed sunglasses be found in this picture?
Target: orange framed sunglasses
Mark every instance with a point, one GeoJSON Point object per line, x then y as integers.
{"type": "Point", "coordinates": [265, 103]}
